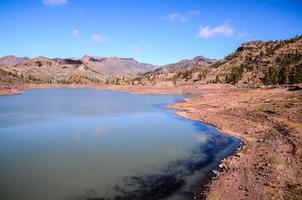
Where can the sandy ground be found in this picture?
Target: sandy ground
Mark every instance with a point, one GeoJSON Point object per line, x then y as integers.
{"type": "Point", "coordinates": [269, 165]}
{"type": "Point", "coordinates": [9, 91]}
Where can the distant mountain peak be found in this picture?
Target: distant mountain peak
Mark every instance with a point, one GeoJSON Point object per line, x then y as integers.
{"type": "Point", "coordinates": [186, 64]}
{"type": "Point", "coordinates": [12, 60]}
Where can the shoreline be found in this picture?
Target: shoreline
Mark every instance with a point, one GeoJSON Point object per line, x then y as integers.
{"type": "Point", "coordinates": [247, 174]}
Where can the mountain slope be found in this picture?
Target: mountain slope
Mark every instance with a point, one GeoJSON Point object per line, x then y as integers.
{"type": "Point", "coordinates": [252, 61]}
{"type": "Point", "coordinates": [115, 66]}
{"type": "Point", "coordinates": [183, 65]}
{"type": "Point", "coordinates": [72, 70]}
{"type": "Point", "coordinates": [12, 60]}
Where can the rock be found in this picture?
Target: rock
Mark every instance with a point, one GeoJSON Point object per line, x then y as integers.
{"type": "Point", "coordinates": [215, 172]}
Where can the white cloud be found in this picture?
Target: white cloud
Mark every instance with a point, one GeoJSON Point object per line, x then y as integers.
{"type": "Point", "coordinates": [243, 33]}
{"type": "Point", "coordinates": [176, 17]}
{"type": "Point", "coordinates": [201, 138]}
{"type": "Point", "coordinates": [54, 2]}
{"type": "Point", "coordinates": [179, 17]}
{"type": "Point", "coordinates": [75, 33]}
{"type": "Point", "coordinates": [224, 30]}
{"type": "Point", "coordinates": [99, 38]}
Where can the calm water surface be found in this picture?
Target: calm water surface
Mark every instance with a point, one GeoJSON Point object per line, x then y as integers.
{"type": "Point", "coordinates": [88, 144]}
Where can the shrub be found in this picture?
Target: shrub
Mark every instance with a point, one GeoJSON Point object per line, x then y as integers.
{"type": "Point", "coordinates": [283, 75]}
{"type": "Point", "coordinates": [271, 77]}
{"type": "Point", "coordinates": [295, 75]}
{"type": "Point", "coordinates": [235, 75]}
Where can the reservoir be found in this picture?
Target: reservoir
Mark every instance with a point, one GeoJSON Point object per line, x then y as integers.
{"type": "Point", "coordinates": [86, 144]}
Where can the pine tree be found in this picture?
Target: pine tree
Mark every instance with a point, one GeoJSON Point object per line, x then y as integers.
{"type": "Point", "coordinates": [267, 78]}
{"type": "Point", "coordinates": [295, 75]}
{"type": "Point", "coordinates": [283, 75]}
{"type": "Point", "coordinates": [274, 75]}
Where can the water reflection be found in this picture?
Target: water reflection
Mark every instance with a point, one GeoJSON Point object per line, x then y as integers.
{"type": "Point", "coordinates": [88, 144]}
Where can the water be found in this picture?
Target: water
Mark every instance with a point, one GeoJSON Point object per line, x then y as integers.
{"type": "Point", "coordinates": [90, 144]}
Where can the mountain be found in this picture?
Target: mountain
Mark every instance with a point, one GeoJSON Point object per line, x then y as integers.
{"type": "Point", "coordinates": [183, 65]}
{"type": "Point", "coordinates": [258, 62]}
{"type": "Point", "coordinates": [12, 60]}
{"type": "Point", "coordinates": [255, 63]}
{"type": "Point", "coordinates": [73, 70]}
{"type": "Point", "coordinates": [115, 66]}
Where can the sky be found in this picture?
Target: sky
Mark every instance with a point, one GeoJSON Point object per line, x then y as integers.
{"type": "Point", "coordinates": [151, 31]}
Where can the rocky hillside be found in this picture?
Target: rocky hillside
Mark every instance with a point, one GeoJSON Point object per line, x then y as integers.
{"type": "Point", "coordinates": [114, 66]}
{"type": "Point", "coordinates": [71, 70]}
{"type": "Point", "coordinates": [12, 60]}
{"type": "Point", "coordinates": [253, 63]}
{"type": "Point", "coordinates": [258, 62]}
{"type": "Point", "coordinates": [184, 65]}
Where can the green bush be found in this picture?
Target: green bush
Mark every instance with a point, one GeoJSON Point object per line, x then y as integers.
{"type": "Point", "coordinates": [283, 75]}
{"type": "Point", "coordinates": [295, 75]}
{"type": "Point", "coordinates": [235, 75]}
{"type": "Point", "coordinates": [271, 77]}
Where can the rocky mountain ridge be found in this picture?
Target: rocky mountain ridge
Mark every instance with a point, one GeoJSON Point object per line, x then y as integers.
{"type": "Point", "coordinates": [253, 63]}
{"type": "Point", "coordinates": [74, 70]}
{"type": "Point", "coordinates": [186, 64]}
{"type": "Point", "coordinates": [11, 60]}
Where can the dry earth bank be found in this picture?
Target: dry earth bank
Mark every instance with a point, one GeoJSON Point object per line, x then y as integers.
{"type": "Point", "coordinates": [269, 166]}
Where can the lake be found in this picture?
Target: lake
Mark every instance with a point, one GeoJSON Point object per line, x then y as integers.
{"type": "Point", "coordinates": [87, 144]}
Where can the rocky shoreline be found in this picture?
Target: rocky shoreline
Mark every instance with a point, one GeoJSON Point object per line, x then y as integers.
{"type": "Point", "coordinates": [269, 121]}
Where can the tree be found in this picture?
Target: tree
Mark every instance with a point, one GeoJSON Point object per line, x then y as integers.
{"type": "Point", "coordinates": [295, 75]}
{"type": "Point", "coordinates": [271, 77]}
{"type": "Point", "coordinates": [283, 75]}
{"type": "Point", "coordinates": [267, 78]}
{"type": "Point", "coordinates": [235, 75]}
{"type": "Point", "coordinates": [174, 79]}
{"type": "Point", "coordinates": [187, 75]}
{"type": "Point", "coordinates": [274, 74]}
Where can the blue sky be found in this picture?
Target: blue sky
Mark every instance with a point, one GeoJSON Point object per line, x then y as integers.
{"type": "Point", "coordinates": [157, 31]}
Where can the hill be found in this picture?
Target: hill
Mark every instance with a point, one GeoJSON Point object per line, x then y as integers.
{"type": "Point", "coordinates": [12, 60]}
{"type": "Point", "coordinates": [183, 65]}
{"type": "Point", "coordinates": [71, 70]}
{"type": "Point", "coordinates": [258, 62]}
{"type": "Point", "coordinates": [253, 63]}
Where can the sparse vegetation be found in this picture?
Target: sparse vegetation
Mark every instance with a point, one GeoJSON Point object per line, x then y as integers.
{"type": "Point", "coordinates": [235, 75]}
